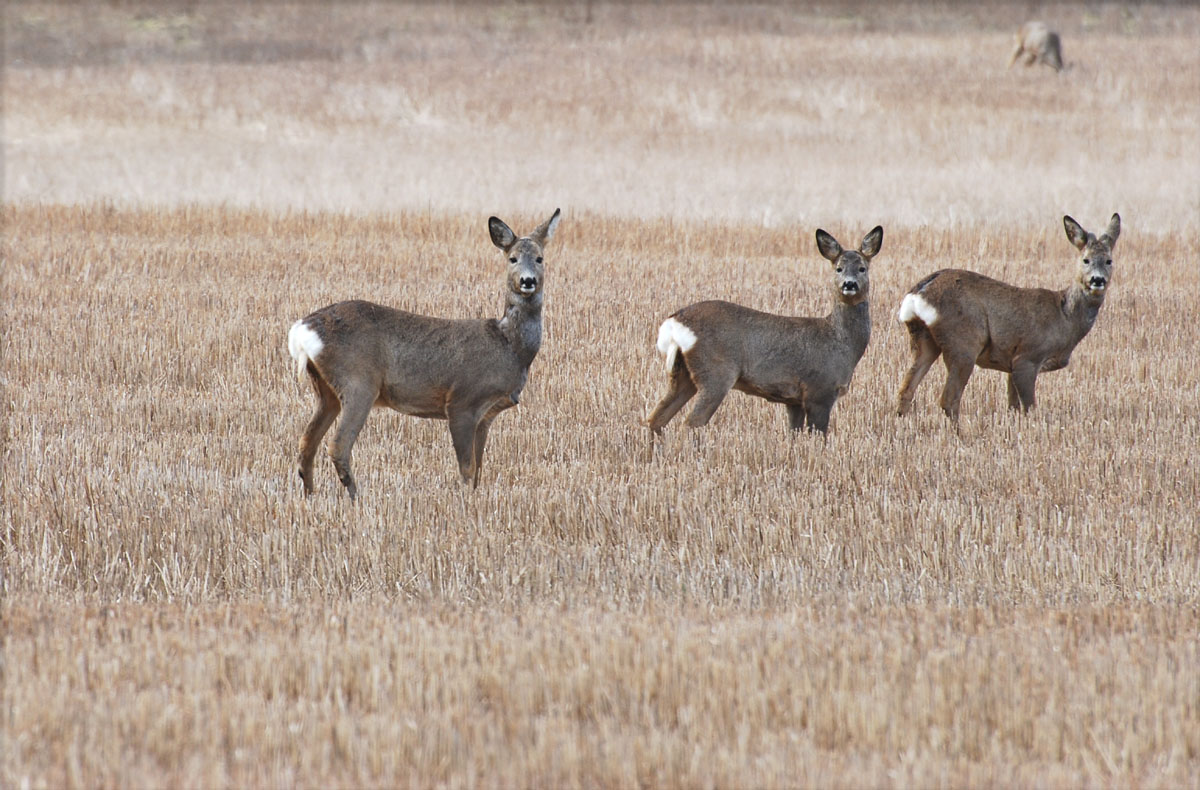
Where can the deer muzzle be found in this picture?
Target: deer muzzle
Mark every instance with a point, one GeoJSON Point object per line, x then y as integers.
{"type": "Point", "coordinates": [1096, 283]}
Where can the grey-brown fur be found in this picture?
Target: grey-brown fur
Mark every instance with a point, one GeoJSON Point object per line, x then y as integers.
{"type": "Point", "coordinates": [462, 371]}
{"type": "Point", "coordinates": [1021, 331]}
{"type": "Point", "coordinates": [804, 363]}
{"type": "Point", "coordinates": [1037, 43]}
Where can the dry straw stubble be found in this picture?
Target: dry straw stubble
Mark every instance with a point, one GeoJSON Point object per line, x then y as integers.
{"type": "Point", "coordinates": [748, 607]}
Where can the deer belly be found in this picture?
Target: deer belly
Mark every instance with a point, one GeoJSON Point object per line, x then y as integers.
{"type": "Point", "coordinates": [429, 404]}
{"type": "Point", "coordinates": [992, 358]}
{"type": "Point", "coordinates": [775, 392]}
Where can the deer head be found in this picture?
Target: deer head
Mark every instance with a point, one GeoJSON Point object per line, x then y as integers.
{"type": "Point", "coordinates": [525, 264]}
{"type": "Point", "coordinates": [851, 267]}
{"type": "Point", "coordinates": [1095, 259]}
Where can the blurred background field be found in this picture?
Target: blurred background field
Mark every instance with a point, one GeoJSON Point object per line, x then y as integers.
{"type": "Point", "coordinates": [893, 605]}
{"type": "Point", "coordinates": [775, 114]}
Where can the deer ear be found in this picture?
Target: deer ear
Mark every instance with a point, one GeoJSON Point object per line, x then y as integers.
{"type": "Point", "coordinates": [872, 242]}
{"type": "Point", "coordinates": [502, 235]}
{"type": "Point", "coordinates": [1113, 230]}
{"type": "Point", "coordinates": [1075, 233]}
{"type": "Point", "coordinates": [828, 245]}
{"type": "Point", "coordinates": [544, 232]}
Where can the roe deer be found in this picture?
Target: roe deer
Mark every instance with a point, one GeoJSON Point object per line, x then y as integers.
{"type": "Point", "coordinates": [1036, 43]}
{"type": "Point", "coordinates": [359, 355]}
{"type": "Point", "coordinates": [804, 363]}
{"type": "Point", "coordinates": [970, 320]}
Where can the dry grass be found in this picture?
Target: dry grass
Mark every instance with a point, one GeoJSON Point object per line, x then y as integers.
{"type": "Point", "coordinates": [895, 605]}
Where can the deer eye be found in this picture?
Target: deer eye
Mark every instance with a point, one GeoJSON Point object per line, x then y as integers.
{"type": "Point", "coordinates": [539, 260]}
{"type": "Point", "coordinates": [862, 269]}
{"type": "Point", "coordinates": [839, 270]}
{"type": "Point", "coordinates": [1087, 261]}
{"type": "Point", "coordinates": [512, 260]}
{"type": "Point", "coordinates": [1108, 262]}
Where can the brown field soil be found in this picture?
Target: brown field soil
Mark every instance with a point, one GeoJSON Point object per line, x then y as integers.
{"type": "Point", "coordinates": [898, 604]}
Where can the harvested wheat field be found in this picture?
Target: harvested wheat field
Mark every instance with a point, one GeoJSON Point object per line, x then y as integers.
{"type": "Point", "coordinates": [1016, 602]}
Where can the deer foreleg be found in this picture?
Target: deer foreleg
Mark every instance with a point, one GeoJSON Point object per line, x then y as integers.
{"type": "Point", "coordinates": [481, 432]}
{"type": "Point", "coordinates": [463, 428]}
{"type": "Point", "coordinates": [818, 416]}
{"type": "Point", "coordinates": [1021, 383]}
{"type": "Point", "coordinates": [1014, 399]}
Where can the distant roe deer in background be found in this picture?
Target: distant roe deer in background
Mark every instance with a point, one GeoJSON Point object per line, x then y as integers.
{"type": "Point", "coordinates": [970, 320]}
{"type": "Point", "coordinates": [804, 363]}
{"type": "Point", "coordinates": [359, 355]}
{"type": "Point", "coordinates": [1036, 43]}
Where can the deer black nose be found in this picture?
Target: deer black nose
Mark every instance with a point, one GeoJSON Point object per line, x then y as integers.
{"type": "Point", "coordinates": [1097, 282]}
{"type": "Point", "coordinates": [528, 283]}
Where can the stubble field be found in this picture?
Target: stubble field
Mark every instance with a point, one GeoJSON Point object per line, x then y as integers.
{"type": "Point", "coordinates": [896, 604]}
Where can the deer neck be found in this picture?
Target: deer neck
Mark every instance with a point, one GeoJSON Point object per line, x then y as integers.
{"type": "Point", "coordinates": [1080, 309]}
{"type": "Point", "coordinates": [522, 325]}
{"type": "Point", "coordinates": [852, 323]}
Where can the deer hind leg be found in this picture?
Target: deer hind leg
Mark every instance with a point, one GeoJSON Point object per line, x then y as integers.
{"type": "Point", "coordinates": [356, 406]}
{"type": "Point", "coordinates": [924, 352]}
{"type": "Point", "coordinates": [1016, 53]}
{"type": "Point", "coordinates": [712, 387]}
{"type": "Point", "coordinates": [680, 391]}
{"type": "Point", "coordinates": [958, 372]}
{"type": "Point", "coordinates": [328, 408]}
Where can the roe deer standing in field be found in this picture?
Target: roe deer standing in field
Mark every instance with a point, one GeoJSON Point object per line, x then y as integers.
{"type": "Point", "coordinates": [804, 363]}
{"type": "Point", "coordinates": [970, 320]}
{"type": "Point", "coordinates": [359, 355]}
{"type": "Point", "coordinates": [1036, 43]}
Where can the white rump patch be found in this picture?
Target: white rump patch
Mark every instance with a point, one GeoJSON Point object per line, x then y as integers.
{"type": "Point", "coordinates": [915, 306]}
{"type": "Point", "coordinates": [672, 337]}
{"type": "Point", "coordinates": [304, 345]}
